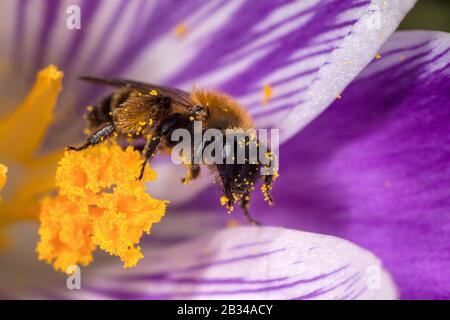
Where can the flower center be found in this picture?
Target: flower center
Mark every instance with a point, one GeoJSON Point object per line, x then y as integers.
{"type": "Point", "coordinates": [100, 203]}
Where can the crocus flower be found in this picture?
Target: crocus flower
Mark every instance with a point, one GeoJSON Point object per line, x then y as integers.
{"type": "Point", "coordinates": [363, 119]}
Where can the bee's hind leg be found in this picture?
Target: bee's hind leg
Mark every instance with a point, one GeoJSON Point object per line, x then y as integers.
{"type": "Point", "coordinates": [149, 152]}
{"type": "Point", "coordinates": [192, 174]}
{"type": "Point", "coordinates": [245, 207]}
{"type": "Point", "coordinates": [98, 136]}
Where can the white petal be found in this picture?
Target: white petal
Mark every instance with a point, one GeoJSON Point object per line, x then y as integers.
{"type": "Point", "coordinates": [240, 263]}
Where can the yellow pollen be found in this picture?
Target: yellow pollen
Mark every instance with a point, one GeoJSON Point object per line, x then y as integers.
{"type": "Point", "coordinates": [180, 30]}
{"type": "Point", "coordinates": [378, 56]}
{"type": "Point", "coordinates": [153, 92]}
{"type": "Point", "coordinates": [100, 203]}
{"type": "Point", "coordinates": [3, 171]}
{"type": "Point", "coordinates": [267, 93]}
{"type": "Point", "coordinates": [191, 118]}
{"type": "Point", "coordinates": [223, 200]}
{"type": "Point", "coordinates": [232, 223]}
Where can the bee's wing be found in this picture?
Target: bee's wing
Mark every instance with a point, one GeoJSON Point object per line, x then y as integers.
{"type": "Point", "coordinates": [176, 95]}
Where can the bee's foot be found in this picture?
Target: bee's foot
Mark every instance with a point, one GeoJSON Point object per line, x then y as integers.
{"type": "Point", "coordinates": [186, 180]}
{"type": "Point", "coordinates": [141, 174]}
{"type": "Point", "coordinates": [254, 222]}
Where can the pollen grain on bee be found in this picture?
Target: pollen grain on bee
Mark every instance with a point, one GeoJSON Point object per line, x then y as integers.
{"type": "Point", "coordinates": [231, 146]}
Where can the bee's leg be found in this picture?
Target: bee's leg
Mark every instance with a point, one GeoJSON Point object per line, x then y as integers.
{"type": "Point", "coordinates": [269, 174]}
{"type": "Point", "coordinates": [149, 152]}
{"type": "Point", "coordinates": [245, 207]}
{"type": "Point", "coordinates": [267, 188]}
{"type": "Point", "coordinates": [153, 142]}
{"type": "Point", "coordinates": [194, 165]}
{"type": "Point", "coordinates": [98, 136]}
{"type": "Point", "coordinates": [193, 173]}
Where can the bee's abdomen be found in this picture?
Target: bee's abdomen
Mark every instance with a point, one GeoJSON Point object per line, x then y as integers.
{"type": "Point", "coordinates": [101, 113]}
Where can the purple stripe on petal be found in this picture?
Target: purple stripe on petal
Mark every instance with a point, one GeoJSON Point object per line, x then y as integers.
{"type": "Point", "coordinates": [169, 278]}
{"type": "Point", "coordinates": [235, 46]}
{"type": "Point", "coordinates": [19, 34]}
{"type": "Point", "coordinates": [321, 291]}
{"type": "Point", "coordinates": [108, 33]}
{"type": "Point", "coordinates": [231, 293]}
{"type": "Point", "coordinates": [250, 244]}
{"type": "Point", "coordinates": [50, 16]}
{"type": "Point", "coordinates": [161, 20]}
{"type": "Point", "coordinates": [374, 167]}
{"type": "Point", "coordinates": [88, 9]}
{"type": "Point", "coordinates": [330, 268]}
{"type": "Point", "coordinates": [215, 263]}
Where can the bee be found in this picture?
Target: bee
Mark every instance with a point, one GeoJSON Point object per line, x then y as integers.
{"type": "Point", "coordinates": [152, 113]}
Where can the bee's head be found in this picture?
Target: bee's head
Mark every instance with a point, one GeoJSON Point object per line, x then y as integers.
{"type": "Point", "coordinates": [238, 171]}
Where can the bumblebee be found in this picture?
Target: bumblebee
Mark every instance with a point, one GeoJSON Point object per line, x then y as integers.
{"type": "Point", "coordinates": [148, 112]}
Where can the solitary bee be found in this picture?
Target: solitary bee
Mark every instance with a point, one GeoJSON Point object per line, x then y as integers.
{"type": "Point", "coordinates": [145, 111]}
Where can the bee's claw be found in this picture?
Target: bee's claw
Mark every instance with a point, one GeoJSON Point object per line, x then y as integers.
{"type": "Point", "coordinates": [185, 180]}
{"type": "Point", "coordinates": [250, 219]}
{"type": "Point", "coordinates": [141, 175]}
{"type": "Point", "coordinates": [255, 222]}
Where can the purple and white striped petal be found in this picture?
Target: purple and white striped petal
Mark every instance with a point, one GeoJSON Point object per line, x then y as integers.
{"type": "Point", "coordinates": [307, 51]}
{"type": "Point", "coordinates": [239, 263]}
{"type": "Point", "coordinates": [374, 168]}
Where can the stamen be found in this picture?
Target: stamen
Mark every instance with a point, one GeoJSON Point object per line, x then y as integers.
{"type": "Point", "coordinates": [23, 131]}
{"type": "Point", "coordinates": [21, 134]}
{"type": "Point", "coordinates": [100, 203]}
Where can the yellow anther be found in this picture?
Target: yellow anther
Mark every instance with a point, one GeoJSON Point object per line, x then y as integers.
{"type": "Point", "coordinates": [97, 206]}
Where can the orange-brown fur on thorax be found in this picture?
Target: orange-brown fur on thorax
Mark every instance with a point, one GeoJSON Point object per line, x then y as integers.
{"type": "Point", "coordinates": [224, 112]}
